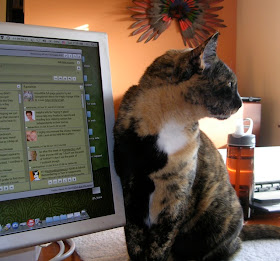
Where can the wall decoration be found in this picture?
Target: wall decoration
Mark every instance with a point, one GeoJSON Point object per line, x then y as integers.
{"type": "Point", "coordinates": [196, 18]}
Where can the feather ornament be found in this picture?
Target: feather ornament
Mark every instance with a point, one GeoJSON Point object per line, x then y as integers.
{"type": "Point", "coordinates": [196, 18]}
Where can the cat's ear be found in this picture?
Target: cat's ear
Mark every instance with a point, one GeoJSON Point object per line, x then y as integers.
{"type": "Point", "coordinates": [207, 51]}
{"type": "Point", "coordinates": [210, 50]}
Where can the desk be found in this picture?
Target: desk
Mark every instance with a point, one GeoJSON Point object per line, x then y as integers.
{"type": "Point", "coordinates": [257, 218]}
{"type": "Point", "coordinates": [265, 218]}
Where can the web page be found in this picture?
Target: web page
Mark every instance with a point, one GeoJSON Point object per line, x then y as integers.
{"type": "Point", "coordinates": [44, 144]}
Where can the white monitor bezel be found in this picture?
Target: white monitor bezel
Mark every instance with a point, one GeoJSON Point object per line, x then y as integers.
{"type": "Point", "coordinates": [69, 230]}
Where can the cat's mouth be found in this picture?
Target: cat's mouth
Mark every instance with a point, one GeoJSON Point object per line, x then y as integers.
{"type": "Point", "coordinates": [222, 117]}
{"type": "Point", "coordinates": [222, 113]}
{"type": "Point", "coordinates": [225, 116]}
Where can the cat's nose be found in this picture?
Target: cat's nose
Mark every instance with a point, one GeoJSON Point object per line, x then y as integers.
{"type": "Point", "coordinates": [238, 101]}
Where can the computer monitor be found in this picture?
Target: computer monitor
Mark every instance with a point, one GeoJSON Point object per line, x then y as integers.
{"type": "Point", "coordinates": [57, 177]}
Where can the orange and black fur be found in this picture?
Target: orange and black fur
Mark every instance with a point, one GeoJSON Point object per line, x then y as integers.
{"type": "Point", "coordinates": [179, 202]}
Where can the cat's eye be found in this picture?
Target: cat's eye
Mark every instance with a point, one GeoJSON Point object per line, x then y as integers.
{"type": "Point", "coordinates": [230, 84]}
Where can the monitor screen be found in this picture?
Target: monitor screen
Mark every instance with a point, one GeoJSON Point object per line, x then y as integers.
{"type": "Point", "coordinates": [57, 178]}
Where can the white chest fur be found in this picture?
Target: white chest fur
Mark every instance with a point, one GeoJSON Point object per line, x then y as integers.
{"type": "Point", "coordinates": [172, 137]}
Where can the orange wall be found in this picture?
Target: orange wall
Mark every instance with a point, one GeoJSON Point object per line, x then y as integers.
{"type": "Point", "coordinates": [128, 58]}
{"type": "Point", "coordinates": [258, 61]}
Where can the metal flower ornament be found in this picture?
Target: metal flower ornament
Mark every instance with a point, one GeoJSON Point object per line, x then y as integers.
{"type": "Point", "coordinates": [197, 19]}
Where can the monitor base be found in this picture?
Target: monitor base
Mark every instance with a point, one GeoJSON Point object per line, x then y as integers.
{"type": "Point", "coordinates": [30, 254]}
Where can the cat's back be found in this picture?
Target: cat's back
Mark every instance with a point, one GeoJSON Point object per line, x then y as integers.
{"type": "Point", "coordinates": [126, 112]}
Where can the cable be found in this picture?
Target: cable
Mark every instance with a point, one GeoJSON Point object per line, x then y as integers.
{"type": "Point", "coordinates": [61, 251]}
{"type": "Point", "coordinates": [71, 250]}
{"type": "Point", "coordinates": [60, 256]}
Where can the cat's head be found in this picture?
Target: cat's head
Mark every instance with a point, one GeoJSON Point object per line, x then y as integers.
{"type": "Point", "coordinates": [204, 80]}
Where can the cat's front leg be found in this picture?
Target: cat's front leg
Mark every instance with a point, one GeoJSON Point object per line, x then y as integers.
{"type": "Point", "coordinates": [136, 240]}
{"type": "Point", "coordinates": [167, 212]}
{"type": "Point", "coordinates": [150, 244]}
{"type": "Point", "coordinates": [161, 237]}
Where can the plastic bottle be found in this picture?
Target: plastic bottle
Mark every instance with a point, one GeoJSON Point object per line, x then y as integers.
{"type": "Point", "coordinates": [240, 163]}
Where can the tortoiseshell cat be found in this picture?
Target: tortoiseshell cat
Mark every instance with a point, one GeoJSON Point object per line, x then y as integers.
{"type": "Point", "coordinates": [179, 202]}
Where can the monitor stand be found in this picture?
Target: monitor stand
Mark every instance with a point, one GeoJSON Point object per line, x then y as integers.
{"type": "Point", "coordinates": [30, 254]}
